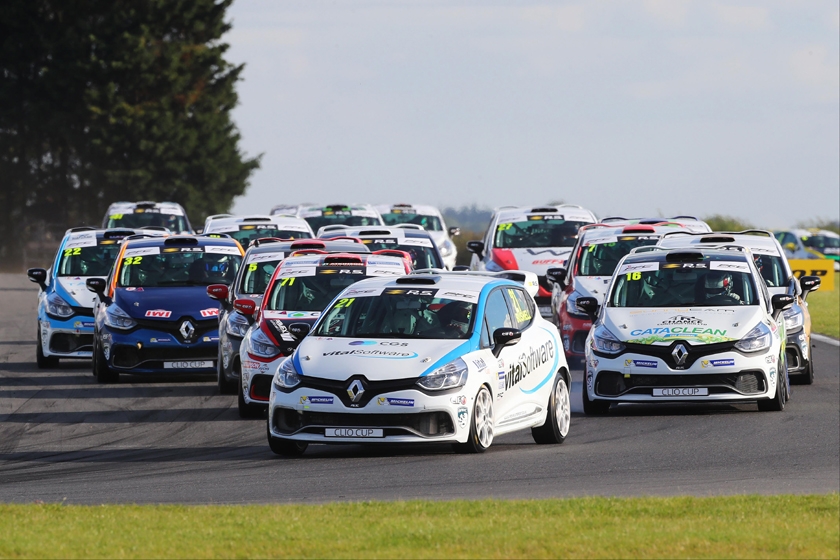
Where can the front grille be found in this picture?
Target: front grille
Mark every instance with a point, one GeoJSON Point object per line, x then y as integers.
{"type": "Point", "coordinates": [372, 388]}
{"type": "Point", "coordinates": [130, 356]}
{"type": "Point", "coordinates": [67, 342]}
{"type": "Point", "coordinates": [613, 383]}
{"type": "Point", "coordinates": [260, 387]}
{"type": "Point", "coordinates": [82, 311]}
{"type": "Point", "coordinates": [429, 424]}
{"type": "Point", "coordinates": [174, 327]}
{"type": "Point", "coordinates": [664, 352]}
{"type": "Point", "coordinates": [579, 342]}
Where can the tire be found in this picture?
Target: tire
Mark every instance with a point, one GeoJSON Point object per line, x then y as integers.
{"type": "Point", "coordinates": [248, 410]}
{"type": "Point", "coordinates": [807, 376]}
{"type": "Point", "coordinates": [595, 407]}
{"type": "Point", "coordinates": [558, 417]}
{"type": "Point", "coordinates": [777, 403]}
{"type": "Point", "coordinates": [285, 447]}
{"type": "Point", "coordinates": [101, 371]}
{"type": "Point", "coordinates": [481, 425]}
{"type": "Point", "coordinates": [226, 387]}
{"type": "Point", "coordinates": [44, 362]}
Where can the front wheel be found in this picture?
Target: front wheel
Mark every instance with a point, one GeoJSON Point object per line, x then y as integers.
{"type": "Point", "coordinates": [226, 387]}
{"type": "Point", "coordinates": [44, 362]}
{"type": "Point", "coordinates": [777, 403]}
{"type": "Point", "coordinates": [248, 410]}
{"type": "Point", "coordinates": [101, 371]}
{"type": "Point", "coordinates": [558, 417]}
{"type": "Point", "coordinates": [594, 407]}
{"type": "Point", "coordinates": [482, 425]}
{"type": "Point", "coordinates": [285, 447]}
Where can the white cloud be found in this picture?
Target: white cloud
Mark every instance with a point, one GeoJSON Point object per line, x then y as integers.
{"type": "Point", "coordinates": [670, 12]}
{"type": "Point", "coordinates": [812, 67]}
{"type": "Point", "coordinates": [750, 17]}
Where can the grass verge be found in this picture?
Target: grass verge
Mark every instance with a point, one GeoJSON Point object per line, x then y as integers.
{"type": "Point", "coordinates": [825, 310]}
{"type": "Point", "coordinates": [735, 527]}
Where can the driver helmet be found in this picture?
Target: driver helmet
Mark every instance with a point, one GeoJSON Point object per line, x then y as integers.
{"type": "Point", "coordinates": [717, 283]}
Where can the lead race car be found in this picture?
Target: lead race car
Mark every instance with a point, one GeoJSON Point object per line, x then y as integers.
{"type": "Point", "coordinates": [246, 229]}
{"type": "Point", "coordinates": [434, 358]}
{"type": "Point", "coordinates": [686, 325]}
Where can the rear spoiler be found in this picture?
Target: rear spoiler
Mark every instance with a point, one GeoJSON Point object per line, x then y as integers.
{"type": "Point", "coordinates": [527, 279]}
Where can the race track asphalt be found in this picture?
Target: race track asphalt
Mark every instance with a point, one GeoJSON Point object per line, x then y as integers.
{"type": "Point", "coordinates": [65, 437]}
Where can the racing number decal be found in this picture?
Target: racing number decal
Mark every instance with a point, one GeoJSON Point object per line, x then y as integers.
{"type": "Point", "coordinates": [286, 281]}
{"type": "Point", "coordinates": [522, 315]}
{"type": "Point", "coordinates": [252, 267]}
{"type": "Point", "coordinates": [345, 302]}
{"type": "Point", "coordinates": [132, 260]}
{"type": "Point", "coordinates": [634, 275]}
{"type": "Point", "coordinates": [504, 227]}
{"type": "Point", "coordinates": [116, 216]}
{"type": "Point", "coordinates": [72, 252]}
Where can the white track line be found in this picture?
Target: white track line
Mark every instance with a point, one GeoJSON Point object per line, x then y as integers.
{"type": "Point", "coordinates": [826, 339]}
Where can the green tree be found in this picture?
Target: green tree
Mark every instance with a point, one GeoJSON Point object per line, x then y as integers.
{"type": "Point", "coordinates": [719, 222]}
{"type": "Point", "coordinates": [115, 100]}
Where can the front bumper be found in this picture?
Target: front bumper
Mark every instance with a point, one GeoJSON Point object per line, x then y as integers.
{"type": "Point", "coordinates": [67, 338]}
{"type": "Point", "coordinates": [146, 350]}
{"type": "Point", "coordinates": [797, 352]}
{"type": "Point", "coordinates": [256, 378]}
{"type": "Point", "coordinates": [727, 376]}
{"type": "Point", "coordinates": [405, 416]}
{"type": "Point", "coordinates": [573, 332]}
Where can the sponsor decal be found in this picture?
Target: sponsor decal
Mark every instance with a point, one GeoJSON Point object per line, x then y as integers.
{"type": "Point", "coordinates": [210, 338]}
{"type": "Point", "coordinates": [263, 257]}
{"type": "Point", "coordinates": [692, 266]}
{"type": "Point", "coordinates": [213, 312]}
{"type": "Point", "coordinates": [463, 416]}
{"type": "Point", "coordinates": [460, 399]}
{"type": "Point", "coordinates": [556, 253]}
{"type": "Point", "coordinates": [373, 354]}
{"type": "Point", "coordinates": [345, 269]}
{"type": "Point", "coordinates": [471, 297]}
{"type": "Point", "coordinates": [770, 360]}
{"type": "Point", "coordinates": [316, 400]}
{"type": "Point", "coordinates": [221, 250]}
{"type": "Point", "coordinates": [158, 313]}
{"type": "Point", "coordinates": [732, 266]}
{"type": "Point", "coordinates": [141, 252]}
{"type": "Point", "coordinates": [638, 267]}
{"type": "Point", "coordinates": [134, 289]}
{"type": "Point", "coordinates": [417, 242]}
{"type": "Point", "coordinates": [641, 363]}
{"type": "Point", "coordinates": [682, 320]}
{"type": "Point", "coordinates": [409, 292]}
{"type": "Point", "coordinates": [663, 334]}
{"type": "Point", "coordinates": [392, 401]}
{"type": "Point", "coordinates": [528, 362]}
{"type": "Point", "coordinates": [729, 362]}
{"type": "Point", "coordinates": [373, 342]}
{"type": "Point", "coordinates": [362, 343]}
{"type": "Point", "coordinates": [249, 365]}
{"type": "Point", "coordinates": [547, 261]}
{"type": "Point", "coordinates": [83, 324]}
{"type": "Point", "coordinates": [479, 363]}
{"type": "Point", "coordinates": [360, 292]}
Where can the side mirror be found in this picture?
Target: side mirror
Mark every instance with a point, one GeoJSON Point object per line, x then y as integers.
{"type": "Point", "coordinates": [39, 276]}
{"type": "Point", "coordinates": [245, 306]}
{"type": "Point", "coordinates": [299, 330]}
{"type": "Point", "coordinates": [218, 291]}
{"type": "Point", "coordinates": [96, 285]}
{"type": "Point", "coordinates": [556, 276]}
{"type": "Point", "coordinates": [476, 247]}
{"type": "Point", "coordinates": [781, 302]}
{"type": "Point", "coordinates": [505, 337]}
{"type": "Point", "coordinates": [453, 231]}
{"type": "Point", "coordinates": [809, 284]}
{"type": "Point", "coordinates": [790, 247]}
{"type": "Point", "coordinates": [460, 268]}
{"type": "Point", "coordinates": [588, 305]}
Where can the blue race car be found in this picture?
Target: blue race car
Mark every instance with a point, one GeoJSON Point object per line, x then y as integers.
{"type": "Point", "coordinates": [65, 308]}
{"type": "Point", "coordinates": [153, 314]}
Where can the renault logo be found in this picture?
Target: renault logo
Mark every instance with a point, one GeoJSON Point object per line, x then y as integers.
{"type": "Point", "coordinates": [680, 354]}
{"type": "Point", "coordinates": [356, 390]}
{"type": "Point", "coordinates": [187, 330]}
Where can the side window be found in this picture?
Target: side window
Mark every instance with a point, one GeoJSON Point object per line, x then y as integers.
{"type": "Point", "coordinates": [496, 312]}
{"type": "Point", "coordinates": [523, 312]}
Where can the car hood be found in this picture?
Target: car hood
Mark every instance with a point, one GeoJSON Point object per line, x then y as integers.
{"type": "Point", "coordinates": [378, 359]}
{"type": "Point", "coordinates": [698, 325]}
{"type": "Point", "coordinates": [438, 237]}
{"type": "Point", "coordinates": [593, 286]}
{"type": "Point", "coordinates": [74, 291]}
{"type": "Point", "coordinates": [533, 260]}
{"type": "Point", "coordinates": [167, 303]}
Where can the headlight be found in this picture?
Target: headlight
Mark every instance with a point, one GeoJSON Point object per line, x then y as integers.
{"type": "Point", "coordinates": [794, 319]}
{"type": "Point", "coordinates": [453, 374]}
{"type": "Point", "coordinates": [118, 319]}
{"type": "Point", "coordinates": [757, 339]}
{"type": "Point", "coordinates": [446, 248]}
{"type": "Point", "coordinates": [287, 376]}
{"type": "Point", "coordinates": [236, 325]}
{"type": "Point", "coordinates": [260, 345]}
{"type": "Point", "coordinates": [58, 307]}
{"type": "Point", "coordinates": [605, 342]}
{"type": "Point", "coordinates": [571, 305]}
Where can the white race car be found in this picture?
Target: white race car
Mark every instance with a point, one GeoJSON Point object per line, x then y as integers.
{"type": "Point", "coordinates": [437, 358]}
{"type": "Point", "coordinates": [143, 214]}
{"type": "Point", "coordinates": [430, 219]}
{"type": "Point", "coordinates": [530, 238]}
{"type": "Point", "coordinates": [686, 325]}
{"type": "Point", "coordinates": [246, 229]}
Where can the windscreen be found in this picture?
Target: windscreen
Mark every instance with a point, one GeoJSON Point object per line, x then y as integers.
{"type": "Point", "coordinates": [92, 260]}
{"type": "Point", "coordinates": [423, 252]}
{"type": "Point", "coordinates": [248, 233]}
{"type": "Point", "coordinates": [601, 256]}
{"type": "Point", "coordinates": [429, 223]}
{"type": "Point", "coordinates": [710, 283]}
{"type": "Point", "coordinates": [175, 223]}
{"type": "Point", "coordinates": [772, 269]}
{"type": "Point", "coordinates": [258, 273]}
{"type": "Point", "coordinates": [399, 313]}
{"type": "Point", "coordinates": [334, 217]}
{"type": "Point", "coordinates": [310, 288]}
{"type": "Point", "coordinates": [823, 242]}
{"type": "Point", "coordinates": [158, 267]}
{"type": "Point", "coordinates": [537, 231]}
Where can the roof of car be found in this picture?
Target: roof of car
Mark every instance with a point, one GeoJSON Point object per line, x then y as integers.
{"type": "Point", "coordinates": [591, 234]}
{"type": "Point", "coordinates": [182, 241]}
{"type": "Point", "coordinates": [422, 209]}
{"type": "Point", "coordinates": [366, 232]}
{"type": "Point", "coordinates": [218, 224]}
{"type": "Point", "coordinates": [313, 209]}
{"type": "Point", "coordinates": [655, 253]}
{"type": "Point", "coordinates": [342, 259]}
{"type": "Point", "coordinates": [163, 207]}
{"type": "Point", "coordinates": [570, 212]}
{"type": "Point", "coordinates": [758, 243]}
{"type": "Point", "coordinates": [271, 245]}
{"type": "Point", "coordinates": [442, 282]}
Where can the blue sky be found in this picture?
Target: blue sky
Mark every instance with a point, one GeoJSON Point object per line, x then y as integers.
{"type": "Point", "coordinates": [625, 107]}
